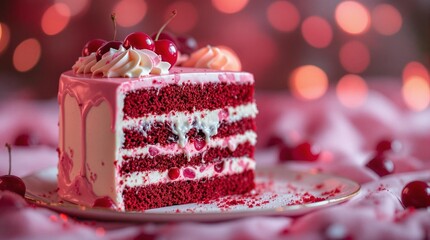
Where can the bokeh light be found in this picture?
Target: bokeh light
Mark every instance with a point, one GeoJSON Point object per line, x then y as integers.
{"type": "Point", "coordinates": [354, 56]}
{"type": "Point", "coordinates": [317, 32]}
{"type": "Point", "coordinates": [352, 17]}
{"type": "Point", "coordinates": [26, 55]}
{"type": "Point", "coordinates": [55, 19]}
{"type": "Point", "coordinates": [76, 6]}
{"type": "Point", "coordinates": [186, 18]}
{"type": "Point", "coordinates": [386, 19]}
{"type": "Point", "coordinates": [308, 82]}
{"type": "Point", "coordinates": [229, 6]}
{"type": "Point", "coordinates": [283, 16]}
{"type": "Point", "coordinates": [414, 69]}
{"type": "Point", "coordinates": [416, 93]}
{"type": "Point", "coordinates": [4, 36]}
{"type": "Point", "coordinates": [351, 90]}
{"type": "Point", "coordinates": [130, 12]}
{"type": "Point", "coordinates": [262, 58]}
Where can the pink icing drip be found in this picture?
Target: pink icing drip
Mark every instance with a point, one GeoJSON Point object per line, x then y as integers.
{"type": "Point", "coordinates": [66, 164]}
{"type": "Point", "coordinates": [87, 96]}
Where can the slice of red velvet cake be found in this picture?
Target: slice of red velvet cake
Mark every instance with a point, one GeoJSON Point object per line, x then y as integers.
{"type": "Point", "coordinates": [169, 137]}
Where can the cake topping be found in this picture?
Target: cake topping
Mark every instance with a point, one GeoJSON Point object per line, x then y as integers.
{"type": "Point", "coordinates": [164, 47]}
{"type": "Point", "coordinates": [106, 48]}
{"type": "Point", "coordinates": [220, 58]}
{"type": "Point", "coordinates": [85, 63]}
{"type": "Point", "coordinates": [139, 55]}
{"type": "Point", "coordinates": [139, 40]}
{"type": "Point", "coordinates": [130, 63]}
{"type": "Point", "coordinates": [92, 46]}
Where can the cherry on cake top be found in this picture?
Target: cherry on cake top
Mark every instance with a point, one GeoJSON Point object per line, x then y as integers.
{"type": "Point", "coordinates": [166, 46]}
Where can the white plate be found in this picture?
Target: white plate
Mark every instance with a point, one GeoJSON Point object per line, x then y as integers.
{"type": "Point", "coordinates": [278, 191]}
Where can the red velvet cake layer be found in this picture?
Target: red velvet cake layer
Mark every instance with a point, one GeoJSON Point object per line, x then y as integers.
{"type": "Point", "coordinates": [164, 162]}
{"type": "Point", "coordinates": [182, 192]}
{"type": "Point", "coordinates": [161, 133]}
{"type": "Point", "coordinates": [187, 97]}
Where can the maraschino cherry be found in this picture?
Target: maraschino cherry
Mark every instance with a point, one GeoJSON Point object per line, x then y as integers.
{"type": "Point", "coordinates": [10, 182]}
{"type": "Point", "coordinates": [184, 44]}
{"type": "Point", "coordinates": [306, 151]}
{"type": "Point", "coordinates": [388, 145]}
{"type": "Point", "coordinates": [285, 151]}
{"type": "Point", "coordinates": [274, 140]}
{"type": "Point", "coordinates": [108, 45]}
{"type": "Point", "coordinates": [26, 139]}
{"type": "Point", "coordinates": [381, 165]}
{"type": "Point", "coordinates": [416, 194]}
{"type": "Point", "coordinates": [139, 40]}
{"type": "Point", "coordinates": [164, 47]}
{"type": "Point", "coordinates": [165, 35]}
{"type": "Point", "coordinates": [92, 46]}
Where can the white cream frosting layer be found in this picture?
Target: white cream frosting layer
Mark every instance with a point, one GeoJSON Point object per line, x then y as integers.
{"type": "Point", "coordinates": [173, 149]}
{"type": "Point", "coordinates": [181, 122]}
{"type": "Point", "coordinates": [231, 166]}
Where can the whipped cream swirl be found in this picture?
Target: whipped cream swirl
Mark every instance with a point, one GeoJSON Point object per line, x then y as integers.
{"type": "Point", "coordinates": [220, 58]}
{"type": "Point", "coordinates": [84, 64]}
{"type": "Point", "coordinates": [123, 63]}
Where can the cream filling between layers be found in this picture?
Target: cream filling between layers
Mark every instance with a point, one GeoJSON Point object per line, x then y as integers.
{"type": "Point", "coordinates": [181, 122]}
{"type": "Point", "coordinates": [231, 166]}
{"type": "Point", "coordinates": [190, 149]}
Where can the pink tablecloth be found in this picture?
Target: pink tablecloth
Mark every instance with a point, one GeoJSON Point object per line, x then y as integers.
{"type": "Point", "coordinates": [347, 137]}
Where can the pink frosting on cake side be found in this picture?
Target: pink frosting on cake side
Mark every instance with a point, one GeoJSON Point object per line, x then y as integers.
{"type": "Point", "coordinates": [87, 95]}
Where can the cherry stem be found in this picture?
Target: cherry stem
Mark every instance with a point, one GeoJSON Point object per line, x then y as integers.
{"type": "Point", "coordinates": [113, 17]}
{"type": "Point", "coordinates": [9, 149]}
{"type": "Point", "coordinates": [174, 12]}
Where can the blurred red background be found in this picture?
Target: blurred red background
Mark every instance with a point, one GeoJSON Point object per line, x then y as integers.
{"type": "Point", "coordinates": [303, 47]}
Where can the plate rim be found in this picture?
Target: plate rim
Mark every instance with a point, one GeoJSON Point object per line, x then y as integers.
{"type": "Point", "coordinates": [136, 216]}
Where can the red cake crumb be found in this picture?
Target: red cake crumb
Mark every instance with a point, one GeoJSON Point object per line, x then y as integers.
{"type": "Point", "coordinates": [306, 198]}
{"type": "Point", "coordinates": [182, 192]}
{"type": "Point", "coordinates": [186, 97]}
{"type": "Point", "coordinates": [229, 202]}
{"type": "Point", "coordinates": [164, 162]}
{"type": "Point", "coordinates": [161, 133]}
{"type": "Point", "coordinates": [331, 193]}
{"type": "Point", "coordinates": [381, 188]}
